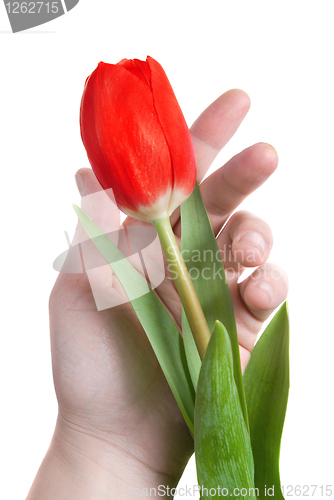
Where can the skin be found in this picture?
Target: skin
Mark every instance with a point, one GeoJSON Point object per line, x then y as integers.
{"type": "Point", "coordinates": [118, 424]}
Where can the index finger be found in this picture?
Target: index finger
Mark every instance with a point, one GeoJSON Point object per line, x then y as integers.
{"type": "Point", "coordinates": [213, 129]}
{"type": "Point", "coordinates": [216, 125]}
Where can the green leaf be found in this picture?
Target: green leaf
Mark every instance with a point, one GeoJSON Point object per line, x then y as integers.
{"type": "Point", "coordinates": [193, 358]}
{"type": "Point", "coordinates": [222, 445]}
{"type": "Point", "coordinates": [266, 381]}
{"type": "Point", "coordinates": [160, 329]}
{"type": "Point", "coordinates": [203, 259]}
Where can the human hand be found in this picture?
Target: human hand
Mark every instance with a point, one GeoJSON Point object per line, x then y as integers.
{"type": "Point", "coordinates": [117, 417]}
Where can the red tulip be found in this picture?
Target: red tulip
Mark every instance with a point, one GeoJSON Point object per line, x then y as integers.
{"type": "Point", "coordinates": [136, 137]}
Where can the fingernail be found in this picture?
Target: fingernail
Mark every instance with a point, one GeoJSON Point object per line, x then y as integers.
{"type": "Point", "coordinates": [80, 184]}
{"type": "Point", "coordinates": [266, 288]}
{"type": "Point", "coordinates": [254, 239]}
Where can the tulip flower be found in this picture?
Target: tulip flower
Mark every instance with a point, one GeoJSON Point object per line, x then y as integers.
{"type": "Point", "coordinates": [139, 145]}
{"type": "Point", "coordinates": [136, 138]}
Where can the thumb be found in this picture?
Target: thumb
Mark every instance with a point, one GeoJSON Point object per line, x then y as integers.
{"type": "Point", "coordinates": [101, 207]}
{"type": "Point", "coordinates": [84, 269]}
{"type": "Point", "coordinates": [97, 203]}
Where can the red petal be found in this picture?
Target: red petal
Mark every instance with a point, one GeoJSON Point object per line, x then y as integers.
{"type": "Point", "coordinates": [175, 129]}
{"type": "Point", "coordinates": [138, 68]}
{"type": "Point", "coordinates": [123, 137]}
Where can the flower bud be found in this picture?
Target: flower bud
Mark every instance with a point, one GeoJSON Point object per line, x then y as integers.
{"type": "Point", "coordinates": [136, 138]}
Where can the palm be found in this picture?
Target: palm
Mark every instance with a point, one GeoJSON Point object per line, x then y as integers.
{"type": "Point", "coordinates": [106, 375]}
{"type": "Point", "coordinates": [107, 378]}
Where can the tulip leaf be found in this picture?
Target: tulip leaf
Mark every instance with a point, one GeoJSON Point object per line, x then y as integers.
{"type": "Point", "coordinates": [266, 381]}
{"type": "Point", "coordinates": [160, 329]}
{"type": "Point", "coordinates": [192, 355]}
{"type": "Point", "coordinates": [203, 259]}
{"type": "Point", "coordinates": [222, 444]}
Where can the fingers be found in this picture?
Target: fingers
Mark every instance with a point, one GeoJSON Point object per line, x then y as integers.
{"type": "Point", "coordinates": [225, 189]}
{"type": "Point", "coordinates": [264, 290]}
{"type": "Point", "coordinates": [216, 125]}
{"type": "Point", "coordinates": [246, 241]}
{"type": "Point", "coordinates": [212, 130]}
{"type": "Point", "coordinates": [254, 301]}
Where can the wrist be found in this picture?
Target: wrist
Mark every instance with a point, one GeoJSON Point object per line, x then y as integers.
{"type": "Point", "coordinates": [82, 466]}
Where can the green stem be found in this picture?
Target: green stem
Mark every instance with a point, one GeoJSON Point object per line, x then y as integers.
{"type": "Point", "coordinates": [183, 283]}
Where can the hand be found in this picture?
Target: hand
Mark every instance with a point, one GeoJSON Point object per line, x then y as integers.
{"type": "Point", "coordinates": [118, 422]}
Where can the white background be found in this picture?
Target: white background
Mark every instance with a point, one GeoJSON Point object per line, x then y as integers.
{"type": "Point", "coordinates": [281, 54]}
